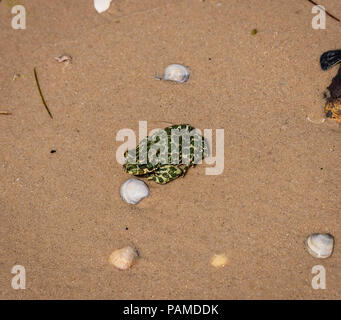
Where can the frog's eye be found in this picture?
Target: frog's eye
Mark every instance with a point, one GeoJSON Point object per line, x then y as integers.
{"type": "Point", "coordinates": [329, 114]}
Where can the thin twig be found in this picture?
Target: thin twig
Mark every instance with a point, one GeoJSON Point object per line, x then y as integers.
{"type": "Point", "coordinates": [329, 14]}
{"type": "Point", "coordinates": [5, 113]}
{"type": "Point", "coordinates": [41, 94]}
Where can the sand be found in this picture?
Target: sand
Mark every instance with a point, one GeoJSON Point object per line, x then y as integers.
{"type": "Point", "coordinates": [61, 213]}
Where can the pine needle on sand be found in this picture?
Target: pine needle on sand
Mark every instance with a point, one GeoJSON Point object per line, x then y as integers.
{"type": "Point", "coordinates": [41, 94]}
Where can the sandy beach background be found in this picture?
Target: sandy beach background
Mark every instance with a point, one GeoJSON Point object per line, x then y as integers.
{"type": "Point", "coordinates": [61, 214]}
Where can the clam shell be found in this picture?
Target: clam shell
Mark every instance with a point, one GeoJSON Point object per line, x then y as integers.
{"type": "Point", "coordinates": [177, 73]}
{"type": "Point", "coordinates": [123, 258]}
{"type": "Point", "coordinates": [320, 245]}
{"type": "Point", "coordinates": [133, 191]}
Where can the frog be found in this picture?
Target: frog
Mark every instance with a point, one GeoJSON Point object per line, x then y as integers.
{"type": "Point", "coordinates": [167, 154]}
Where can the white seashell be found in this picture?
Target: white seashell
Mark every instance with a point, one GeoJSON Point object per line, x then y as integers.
{"type": "Point", "coordinates": [102, 5]}
{"type": "Point", "coordinates": [134, 190]}
{"type": "Point", "coordinates": [320, 245]}
{"type": "Point", "coordinates": [177, 73]}
{"type": "Point", "coordinates": [123, 258]}
{"type": "Point", "coordinates": [219, 260]}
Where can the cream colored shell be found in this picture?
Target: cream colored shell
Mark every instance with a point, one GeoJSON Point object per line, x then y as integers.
{"type": "Point", "coordinates": [177, 73]}
{"type": "Point", "coordinates": [320, 245]}
{"type": "Point", "coordinates": [123, 258]}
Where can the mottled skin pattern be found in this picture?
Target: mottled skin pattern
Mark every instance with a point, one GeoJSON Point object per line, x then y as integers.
{"type": "Point", "coordinates": [332, 110]}
{"type": "Point", "coordinates": [177, 156]}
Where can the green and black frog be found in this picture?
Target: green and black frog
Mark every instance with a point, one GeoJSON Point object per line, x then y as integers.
{"type": "Point", "coordinates": [167, 154]}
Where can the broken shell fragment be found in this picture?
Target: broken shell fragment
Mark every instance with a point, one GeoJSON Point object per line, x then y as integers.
{"type": "Point", "coordinates": [123, 258]}
{"type": "Point", "coordinates": [177, 73]}
{"type": "Point", "coordinates": [320, 245]}
{"type": "Point", "coordinates": [63, 58]}
{"type": "Point", "coordinates": [133, 191]}
{"type": "Point", "coordinates": [219, 260]}
{"type": "Point", "coordinates": [316, 118]}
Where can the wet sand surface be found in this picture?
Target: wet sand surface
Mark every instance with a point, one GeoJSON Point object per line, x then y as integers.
{"type": "Point", "coordinates": [61, 213]}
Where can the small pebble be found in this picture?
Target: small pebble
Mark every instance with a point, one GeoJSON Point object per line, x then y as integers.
{"type": "Point", "coordinates": [254, 32]}
{"type": "Point", "coordinates": [16, 76]}
{"type": "Point", "coordinates": [156, 77]}
{"type": "Point", "coordinates": [219, 260]}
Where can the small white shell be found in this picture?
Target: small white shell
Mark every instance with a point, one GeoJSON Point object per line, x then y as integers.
{"type": "Point", "coordinates": [123, 258]}
{"type": "Point", "coordinates": [177, 73]}
{"type": "Point", "coordinates": [320, 245]}
{"type": "Point", "coordinates": [133, 190]}
{"type": "Point", "coordinates": [102, 5]}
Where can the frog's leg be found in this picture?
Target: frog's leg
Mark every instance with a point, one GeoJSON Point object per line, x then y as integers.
{"type": "Point", "coordinates": [137, 170]}
{"type": "Point", "coordinates": [165, 174]}
{"type": "Point", "coordinates": [185, 169]}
